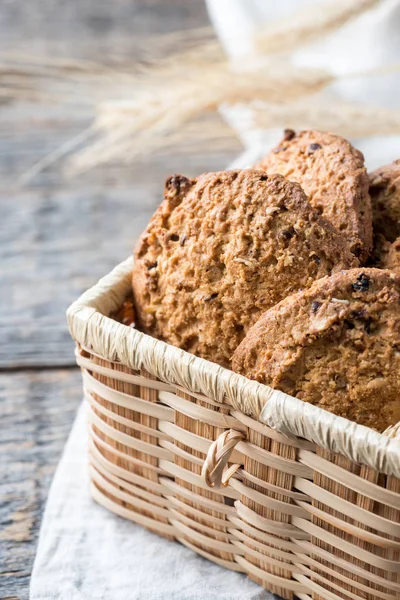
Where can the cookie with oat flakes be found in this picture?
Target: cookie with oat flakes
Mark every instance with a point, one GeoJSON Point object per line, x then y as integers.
{"type": "Point", "coordinates": [332, 174]}
{"type": "Point", "coordinates": [223, 248]}
{"type": "Point", "coordinates": [388, 254]}
{"type": "Point", "coordinates": [335, 345]}
{"type": "Point", "coordinates": [385, 198]}
{"type": "Point", "coordinates": [385, 254]}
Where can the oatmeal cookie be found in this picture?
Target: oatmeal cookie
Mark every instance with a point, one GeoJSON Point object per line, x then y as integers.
{"type": "Point", "coordinates": [333, 176]}
{"type": "Point", "coordinates": [389, 255]}
{"type": "Point", "coordinates": [385, 198]}
{"type": "Point", "coordinates": [335, 345]}
{"type": "Point", "coordinates": [223, 248]}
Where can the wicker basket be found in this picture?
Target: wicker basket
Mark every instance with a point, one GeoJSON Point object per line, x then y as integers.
{"type": "Point", "coordinates": [306, 503]}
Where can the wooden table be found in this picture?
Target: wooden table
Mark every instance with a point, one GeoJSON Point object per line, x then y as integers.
{"type": "Point", "coordinates": [57, 237]}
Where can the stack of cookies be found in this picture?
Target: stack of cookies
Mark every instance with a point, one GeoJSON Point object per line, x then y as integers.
{"type": "Point", "coordinates": [285, 273]}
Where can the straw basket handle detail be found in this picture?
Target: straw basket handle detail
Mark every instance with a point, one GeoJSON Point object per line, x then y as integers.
{"type": "Point", "coordinates": [215, 471]}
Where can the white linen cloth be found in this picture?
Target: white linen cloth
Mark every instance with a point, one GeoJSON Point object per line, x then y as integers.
{"type": "Point", "coordinates": [370, 41]}
{"type": "Point", "coordinates": [87, 553]}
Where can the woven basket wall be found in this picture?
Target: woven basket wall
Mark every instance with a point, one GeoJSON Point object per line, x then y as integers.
{"type": "Point", "coordinates": [311, 508]}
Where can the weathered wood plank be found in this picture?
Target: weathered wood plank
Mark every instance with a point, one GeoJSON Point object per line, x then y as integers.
{"type": "Point", "coordinates": [55, 244]}
{"type": "Point", "coordinates": [97, 30]}
{"type": "Point", "coordinates": [36, 410]}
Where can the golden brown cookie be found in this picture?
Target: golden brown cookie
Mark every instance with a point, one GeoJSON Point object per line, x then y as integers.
{"type": "Point", "coordinates": [335, 345]}
{"type": "Point", "coordinates": [222, 249]}
{"type": "Point", "coordinates": [333, 176]}
{"type": "Point", "coordinates": [379, 252]}
{"type": "Point", "coordinates": [385, 198]}
{"type": "Point", "coordinates": [387, 254]}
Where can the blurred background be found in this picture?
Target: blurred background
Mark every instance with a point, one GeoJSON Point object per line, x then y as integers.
{"type": "Point", "coordinates": [99, 103]}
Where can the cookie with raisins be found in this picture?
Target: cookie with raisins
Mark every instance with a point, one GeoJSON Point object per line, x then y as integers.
{"type": "Point", "coordinates": [223, 248]}
{"type": "Point", "coordinates": [332, 174]}
{"type": "Point", "coordinates": [335, 345]}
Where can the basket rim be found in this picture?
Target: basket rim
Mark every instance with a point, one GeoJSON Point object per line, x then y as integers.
{"type": "Point", "coordinates": [90, 326]}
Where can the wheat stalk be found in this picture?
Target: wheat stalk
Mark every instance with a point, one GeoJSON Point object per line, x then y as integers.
{"type": "Point", "coordinates": [163, 101]}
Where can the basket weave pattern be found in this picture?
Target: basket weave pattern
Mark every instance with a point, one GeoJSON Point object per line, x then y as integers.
{"type": "Point", "coordinates": [299, 519]}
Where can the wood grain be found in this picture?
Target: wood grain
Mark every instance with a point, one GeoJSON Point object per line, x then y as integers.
{"type": "Point", "coordinates": [36, 410]}
{"type": "Point", "coordinates": [96, 30]}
